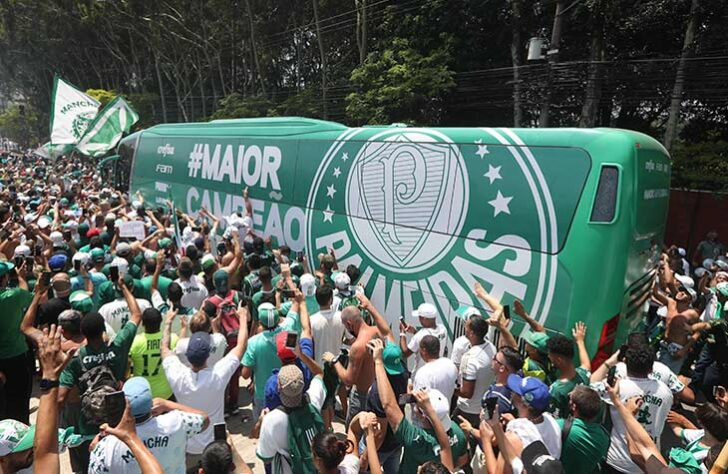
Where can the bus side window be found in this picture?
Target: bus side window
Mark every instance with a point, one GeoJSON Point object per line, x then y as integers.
{"type": "Point", "coordinates": [604, 209]}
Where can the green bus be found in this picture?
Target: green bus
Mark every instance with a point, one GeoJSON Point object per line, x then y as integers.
{"type": "Point", "coordinates": [569, 221]}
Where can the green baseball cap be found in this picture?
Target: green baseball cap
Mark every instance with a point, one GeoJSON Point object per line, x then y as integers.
{"type": "Point", "coordinates": [97, 255]}
{"type": "Point", "coordinates": [15, 437]}
{"type": "Point", "coordinates": [81, 301]}
{"type": "Point", "coordinates": [268, 315]}
{"type": "Point", "coordinates": [5, 268]}
{"type": "Point", "coordinates": [392, 358]}
{"type": "Point", "coordinates": [164, 243]}
{"type": "Point", "coordinates": [538, 340]}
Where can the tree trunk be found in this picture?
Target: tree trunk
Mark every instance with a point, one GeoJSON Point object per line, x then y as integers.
{"type": "Point", "coordinates": [553, 56]}
{"type": "Point", "coordinates": [677, 90]}
{"type": "Point", "coordinates": [255, 49]}
{"type": "Point", "coordinates": [361, 29]}
{"type": "Point", "coordinates": [516, 61]}
{"type": "Point", "coordinates": [594, 81]}
{"type": "Point", "coordinates": [161, 87]}
{"type": "Point", "coordinates": [323, 60]}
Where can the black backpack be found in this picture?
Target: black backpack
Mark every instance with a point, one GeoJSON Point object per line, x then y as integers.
{"type": "Point", "coordinates": [94, 384]}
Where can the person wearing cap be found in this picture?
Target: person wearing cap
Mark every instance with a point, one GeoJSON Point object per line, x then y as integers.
{"type": "Point", "coordinates": [531, 400]}
{"type": "Point", "coordinates": [95, 352]}
{"type": "Point", "coordinates": [193, 287]}
{"type": "Point", "coordinates": [426, 314]}
{"type": "Point", "coordinates": [200, 322]}
{"type": "Point", "coordinates": [14, 357]}
{"type": "Point", "coordinates": [202, 386]}
{"type": "Point", "coordinates": [711, 248]}
{"type": "Point", "coordinates": [715, 333]}
{"type": "Point", "coordinates": [16, 445]}
{"type": "Point", "coordinates": [273, 442]}
{"type": "Point", "coordinates": [476, 373]}
{"type": "Point", "coordinates": [126, 251]}
{"type": "Point", "coordinates": [164, 430]}
{"type": "Point", "coordinates": [261, 356]}
{"type": "Point", "coordinates": [658, 398]}
{"type": "Point", "coordinates": [431, 429]}
{"type": "Point", "coordinates": [307, 283]}
{"type": "Point", "coordinates": [116, 311]}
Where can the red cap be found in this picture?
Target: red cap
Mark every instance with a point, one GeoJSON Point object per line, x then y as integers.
{"type": "Point", "coordinates": [93, 232]}
{"type": "Point", "coordinates": [284, 353]}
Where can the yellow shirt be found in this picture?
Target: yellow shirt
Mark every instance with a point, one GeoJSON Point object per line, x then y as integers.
{"type": "Point", "coordinates": [146, 359]}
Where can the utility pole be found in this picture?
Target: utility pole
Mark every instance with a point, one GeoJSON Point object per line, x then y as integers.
{"type": "Point", "coordinates": [552, 58]}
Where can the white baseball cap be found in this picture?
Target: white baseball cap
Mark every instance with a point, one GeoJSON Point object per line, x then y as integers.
{"type": "Point", "coordinates": [82, 257]}
{"type": "Point", "coordinates": [342, 281]}
{"type": "Point", "coordinates": [308, 284]}
{"type": "Point", "coordinates": [43, 222]}
{"type": "Point", "coordinates": [441, 405]}
{"type": "Point", "coordinates": [686, 281]}
{"type": "Point", "coordinates": [425, 310]}
{"type": "Point", "coordinates": [121, 264]}
{"type": "Point", "coordinates": [23, 250]}
{"type": "Point", "coordinates": [57, 238]}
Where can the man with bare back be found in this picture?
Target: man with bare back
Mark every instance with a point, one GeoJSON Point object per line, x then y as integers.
{"type": "Point", "coordinates": [359, 374]}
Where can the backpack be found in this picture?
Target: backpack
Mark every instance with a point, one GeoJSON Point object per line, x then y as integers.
{"type": "Point", "coordinates": [304, 423]}
{"type": "Point", "coordinates": [228, 309]}
{"type": "Point", "coordinates": [253, 283]}
{"type": "Point", "coordinates": [94, 385]}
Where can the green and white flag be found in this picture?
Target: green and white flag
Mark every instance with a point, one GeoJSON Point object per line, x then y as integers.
{"type": "Point", "coordinates": [107, 128]}
{"type": "Point", "coordinates": [71, 113]}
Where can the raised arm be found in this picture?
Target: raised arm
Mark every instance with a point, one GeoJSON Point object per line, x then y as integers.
{"type": "Point", "coordinates": [126, 432]}
{"type": "Point", "coordinates": [521, 311]}
{"type": "Point", "coordinates": [602, 371]}
{"type": "Point", "coordinates": [299, 305]}
{"type": "Point", "coordinates": [136, 314]}
{"type": "Point", "coordinates": [379, 320]}
{"type": "Point", "coordinates": [243, 316]}
{"type": "Point", "coordinates": [494, 304]}
{"type": "Point", "coordinates": [423, 401]}
{"type": "Point", "coordinates": [166, 351]}
{"type": "Point", "coordinates": [27, 325]}
{"type": "Point", "coordinates": [161, 406]}
{"type": "Point", "coordinates": [579, 333]}
{"type": "Point", "coordinates": [386, 394]}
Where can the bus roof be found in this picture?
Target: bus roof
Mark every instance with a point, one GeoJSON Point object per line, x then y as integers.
{"type": "Point", "coordinates": [252, 127]}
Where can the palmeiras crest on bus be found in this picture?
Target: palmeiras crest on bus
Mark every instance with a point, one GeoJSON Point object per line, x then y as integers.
{"type": "Point", "coordinates": [400, 201]}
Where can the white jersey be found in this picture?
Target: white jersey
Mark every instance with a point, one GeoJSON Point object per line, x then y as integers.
{"type": "Point", "coordinates": [166, 437]}
{"type": "Point", "coordinates": [475, 366]}
{"type": "Point", "coordinates": [203, 390]}
{"type": "Point", "coordinates": [440, 374]}
{"type": "Point", "coordinates": [413, 345]}
{"type": "Point", "coordinates": [460, 346]}
{"type": "Point", "coordinates": [657, 401]}
{"type": "Point", "coordinates": [218, 344]}
{"type": "Point", "coordinates": [116, 313]}
{"type": "Point", "coordinates": [660, 372]}
{"type": "Point", "coordinates": [327, 330]}
{"type": "Point", "coordinates": [194, 292]}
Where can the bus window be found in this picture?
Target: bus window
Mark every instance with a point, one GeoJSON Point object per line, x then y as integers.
{"type": "Point", "coordinates": [605, 200]}
{"type": "Point", "coordinates": [122, 167]}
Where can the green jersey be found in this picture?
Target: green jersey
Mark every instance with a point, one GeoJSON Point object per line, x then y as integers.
{"type": "Point", "coordinates": [586, 445]}
{"type": "Point", "coordinates": [561, 389]}
{"type": "Point", "coordinates": [420, 445]}
{"type": "Point", "coordinates": [115, 355]}
{"type": "Point", "coordinates": [162, 285]}
{"type": "Point", "coordinates": [13, 302]}
{"type": "Point", "coordinates": [146, 359]}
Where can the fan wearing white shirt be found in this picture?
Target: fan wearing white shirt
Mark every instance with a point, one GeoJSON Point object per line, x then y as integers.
{"type": "Point", "coordinates": [195, 291]}
{"type": "Point", "coordinates": [427, 315]}
{"type": "Point", "coordinates": [200, 386]}
{"type": "Point", "coordinates": [165, 433]}
{"type": "Point", "coordinates": [437, 372]}
{"type": "Point", "coordinates": [657, 400]}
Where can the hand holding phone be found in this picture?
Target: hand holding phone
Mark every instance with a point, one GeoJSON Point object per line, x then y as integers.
{"type": "Point", "coordinates": [291, 340]}
{"type": "Point", "coordinates": [45, 279]}
{"type": "Point", "coordinates": [405, 398]}
{"type": "Point", "coordinates": [612, 376]}
{"type": "Point", "coordinates": [114, 274]}
{"type": "Point", "coordinates": [115, 404]}
{"type": "Point", "coordinates": [220, 432]}
{"type": "Point", "coordinates": [507, 311]}
{"type": "Point", "coordinates": [489, 405]}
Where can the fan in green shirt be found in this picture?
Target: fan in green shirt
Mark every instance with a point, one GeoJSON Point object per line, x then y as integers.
{"type": "Point", "coordinates": [431, 430]}
{"type": "Point", "coordinates": [561, 355]}
{"type": "Point", "coordinates": [97, 351]}
{"type": "Point", "coordinates": [13, 302]}
{"type": "Point", "coordinates": [587, 442]}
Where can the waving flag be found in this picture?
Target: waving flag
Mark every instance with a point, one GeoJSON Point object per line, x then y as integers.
{"type": "Point", "coordinates": [107, 128]}
{"type": "Point", "coordinates": [71, 113]}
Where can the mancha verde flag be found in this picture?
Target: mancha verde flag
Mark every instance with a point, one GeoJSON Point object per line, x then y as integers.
{"type": "Point", "coordinates": [107, 128]}
{"type": "Point", "coordinates": [71, 113]}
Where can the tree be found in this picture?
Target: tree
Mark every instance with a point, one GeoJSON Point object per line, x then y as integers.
{"type": "Point", "coordinates": [20, 124]}
{"type": "Point", "coordinates": [401, 85]}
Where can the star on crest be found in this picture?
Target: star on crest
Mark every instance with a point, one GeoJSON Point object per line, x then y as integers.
{"type": "Point", "coordinates": [493, 173]}
{"type": "Point", "coordinates": [345, 156]}
{"type": "Point", "coordinates": [328, 214]}
{"type": "Point", "coordinates": [330, 190]}
{"type": "Point", "coordinates": [482, 149]}
{"type": "Point", "coordinates": [500, 204]}
{"type": "Point", "coordinates": [337, 172]}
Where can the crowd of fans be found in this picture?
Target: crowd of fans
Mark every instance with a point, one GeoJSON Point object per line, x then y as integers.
{"type": "Point", "coordinates": [139, 349]}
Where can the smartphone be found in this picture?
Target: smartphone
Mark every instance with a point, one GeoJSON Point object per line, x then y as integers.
{"type": "Point", "coordinates": [291, 340]}
{"type": "Point", "coordinates": [507, 311]}
{"type": "Point", "coordinates": [18, 260]}
{"type": "Point", "coordinates": [718, 391]}
{"type": "Point", "coordinates": [29, 263]}
{"type": "Point", "coordinates": [287, 293]}
{"type": "Point", "coordinates": [612, 376]}
{"type": "Point", "coordinates": [401, 320]}
{"type": "Point", "coordinates": [114, 274]}
{"type": "Point", "coordinates": [488, 405]}
{"type": "Point", "coordinates": [115, 404]}
{"type": "Point", "coordinates": [221, 248]}
{"type": "Point", "coordinates": [77, 265]}
{"type": "Point", "coordinates": [299, 256]}
{"type": "Point", "coordinates": [405, 398]}
{"type": "Point", "coordinates": [220, 432]}
{"type": "Point", "coordinates": [46, 278]}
